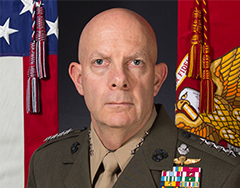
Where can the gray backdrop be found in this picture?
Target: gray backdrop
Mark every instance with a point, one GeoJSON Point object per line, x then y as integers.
{"type": "Point", "coordinates": [73, 15]}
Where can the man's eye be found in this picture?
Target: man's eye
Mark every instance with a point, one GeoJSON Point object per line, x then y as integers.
{"type": "Point", "coordinates": [137, 62]}
{"type": "Point", "coordinates": [99, 61]}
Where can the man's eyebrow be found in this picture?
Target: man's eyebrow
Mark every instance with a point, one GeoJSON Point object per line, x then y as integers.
{"type": "Point", "coordinates": [97, 54]}
{"type": "Point", "coordinates": [139, 54]}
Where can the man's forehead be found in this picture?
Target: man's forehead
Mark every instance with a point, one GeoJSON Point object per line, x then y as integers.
{"type": "Point", "coordinates": [115, 20]}
{"type": "Point", "coordinates": [116, 23]}
{"type": "Point", "coordinates": [116, 15]}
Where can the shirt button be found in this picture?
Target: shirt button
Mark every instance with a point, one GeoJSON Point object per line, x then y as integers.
{"type": "Point", "coordinates": [186, 134]}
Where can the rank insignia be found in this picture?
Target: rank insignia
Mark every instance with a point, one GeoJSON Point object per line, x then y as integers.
{"type": "Point", "coordinates": [181, 177]}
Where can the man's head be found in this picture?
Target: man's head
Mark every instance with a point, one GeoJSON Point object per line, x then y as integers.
{"type": "Point", "coordinates": [117, 74]}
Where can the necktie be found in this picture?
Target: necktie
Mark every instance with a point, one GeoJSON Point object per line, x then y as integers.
{"type": "Point", "coordinates": [109, 176]}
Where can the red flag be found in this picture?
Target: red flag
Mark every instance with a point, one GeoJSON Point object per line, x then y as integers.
{"type": "Point", "coordinates": [222, 125]}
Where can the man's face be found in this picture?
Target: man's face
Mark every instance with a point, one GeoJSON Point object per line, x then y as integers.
{"type": "Point", "coordinates": [117, 75]}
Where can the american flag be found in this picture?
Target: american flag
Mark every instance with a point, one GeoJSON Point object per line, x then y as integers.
{"type": "Point", "coordinates": [22, 133]}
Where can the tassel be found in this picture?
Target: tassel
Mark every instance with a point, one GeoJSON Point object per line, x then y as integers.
{"type": "Point", "coordinates": [33, 100]}
{"type": "Point", "coordinates": [195, 63]}
{"type": "Point", "coordinates": [41, 38]}
{"type": "Point", "coordinates": [192, 61]}
{"type": "Point", "coordinates": [206, 85]}
{"type": "Point", "coordinates": [198, 73]}
{"type": "Point", "coordinates": [206, 96]}
{"type": "Point", "coordinates": [195, 55]}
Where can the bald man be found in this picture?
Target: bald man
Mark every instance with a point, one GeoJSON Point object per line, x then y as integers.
{"type": "Point", "coordinates": [118, 77]}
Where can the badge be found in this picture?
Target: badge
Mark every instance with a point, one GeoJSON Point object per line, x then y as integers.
{"type": "Point", "coordinates": [184, 161]}
{"type": "Point", "coordinates": [183, 149]}
{"type": "Point", "coordinates": [181, 177]}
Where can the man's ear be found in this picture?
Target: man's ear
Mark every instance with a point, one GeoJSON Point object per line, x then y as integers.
{"type": "Point", "coordinates": [161, 72]}
{"type": "Point", "coordinates": [75, 72]}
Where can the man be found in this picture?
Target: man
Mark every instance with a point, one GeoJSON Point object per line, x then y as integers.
{"type": "Point", "coordinates": [118, 78]}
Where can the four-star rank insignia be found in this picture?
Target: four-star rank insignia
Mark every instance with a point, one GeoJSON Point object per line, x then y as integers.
{"type": "Point", "coordinates": [187, 177]}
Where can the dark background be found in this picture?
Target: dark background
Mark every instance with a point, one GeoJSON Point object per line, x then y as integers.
{"type": "Point", "coordinates": [74, 15]}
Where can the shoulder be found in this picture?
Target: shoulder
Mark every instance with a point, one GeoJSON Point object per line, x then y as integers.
{"type": "Point", "coordinates": [220, 167]}
{"type": "Point", "coordinates": [206, 148]}
{"type": "Point", "coordinates": [198, 144]}
{"type": "Point", "coordinates": [64, 138]}
{"type": "Point", "coordinates": [49, 161]}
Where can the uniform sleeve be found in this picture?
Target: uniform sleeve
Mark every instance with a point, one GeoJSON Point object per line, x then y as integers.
{"type": "Point", "coordinates": [233, 179]}
{"type": "Point", "coordinates": [31, 178]}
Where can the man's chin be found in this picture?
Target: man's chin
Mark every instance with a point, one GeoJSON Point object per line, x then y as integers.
{"type": "Point", "coordinates": [119, 120]}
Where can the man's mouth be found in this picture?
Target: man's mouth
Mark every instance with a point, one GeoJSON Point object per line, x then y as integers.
{"type": "Point", "coordinates": [119, 103]}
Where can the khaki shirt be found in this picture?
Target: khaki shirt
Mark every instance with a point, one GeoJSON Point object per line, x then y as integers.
{"type": "Point", "coordinates": [122, 154]}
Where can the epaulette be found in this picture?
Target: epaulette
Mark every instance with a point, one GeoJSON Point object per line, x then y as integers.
{"type": "Point", "coordinates": [68, 134]}
{"type": "Point", "coordinates": [65, 133]}
{"type": "Point", "coordinates": [209, 143]}
{"type": "Point", "coordinates": [217, 147]}
{"type": "Point", "coordinates": [58, 135]}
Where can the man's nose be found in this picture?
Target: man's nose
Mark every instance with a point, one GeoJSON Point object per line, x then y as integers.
{"type": "Point", "coordinates": [119, 79]}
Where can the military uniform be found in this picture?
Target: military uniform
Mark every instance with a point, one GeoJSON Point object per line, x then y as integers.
{"type": "Point", "coordinates": [63, 162]}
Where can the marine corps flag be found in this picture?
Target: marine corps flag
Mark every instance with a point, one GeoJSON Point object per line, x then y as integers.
{"type": "Point", "coordinates": [219, 21]}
